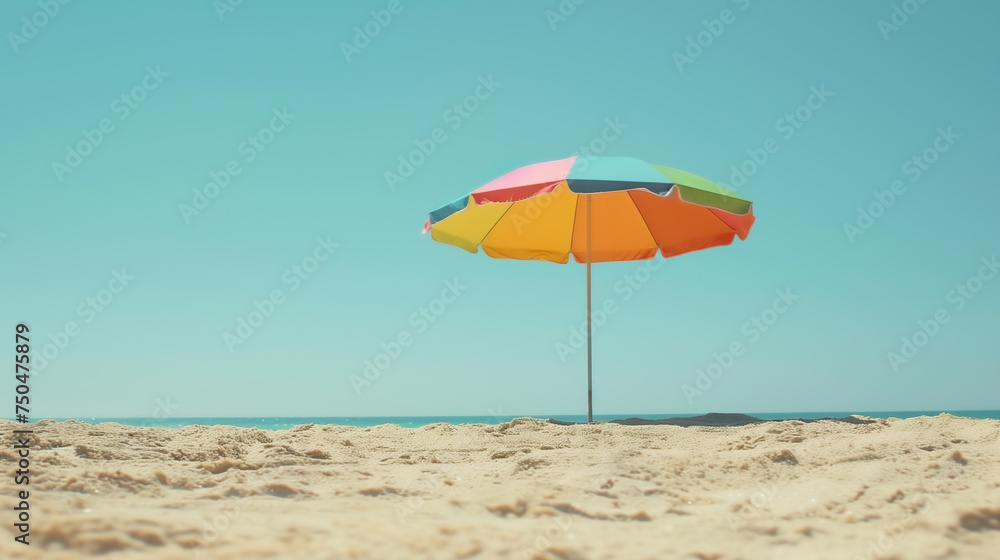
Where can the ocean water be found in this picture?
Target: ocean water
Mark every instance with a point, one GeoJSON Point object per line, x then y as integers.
{"type": "Point", "coordinates": [282, 423]}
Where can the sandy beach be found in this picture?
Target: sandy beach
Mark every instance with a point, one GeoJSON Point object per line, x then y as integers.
{"type": "Point", "coordinates": [922, 488]}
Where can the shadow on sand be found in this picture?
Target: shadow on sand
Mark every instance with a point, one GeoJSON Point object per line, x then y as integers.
{"type": "Point", "coordinates": [715, 419]}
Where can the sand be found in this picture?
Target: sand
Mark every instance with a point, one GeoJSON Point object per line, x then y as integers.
{"type": "Point", "coordinates": [924, 488]}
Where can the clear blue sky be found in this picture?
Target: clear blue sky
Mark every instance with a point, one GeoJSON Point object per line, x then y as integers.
{"type": "Point", "coordinates": [196, 86]}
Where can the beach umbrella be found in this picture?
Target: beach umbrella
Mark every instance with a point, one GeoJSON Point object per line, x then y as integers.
{"type": "Point", "coordinates": [597, 209]}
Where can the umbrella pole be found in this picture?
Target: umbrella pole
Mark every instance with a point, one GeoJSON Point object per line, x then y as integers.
{"type": "Point", "coordinates": [590, 369]}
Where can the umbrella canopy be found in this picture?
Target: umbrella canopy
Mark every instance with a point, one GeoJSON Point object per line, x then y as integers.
{"type": "Point", "coordinates": [538, 212]}
{"type": "Point", "coordinates": [597, 209]}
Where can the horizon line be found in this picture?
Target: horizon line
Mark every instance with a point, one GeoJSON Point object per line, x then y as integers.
{"type": "Point", "coordinates": [631, 414]}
